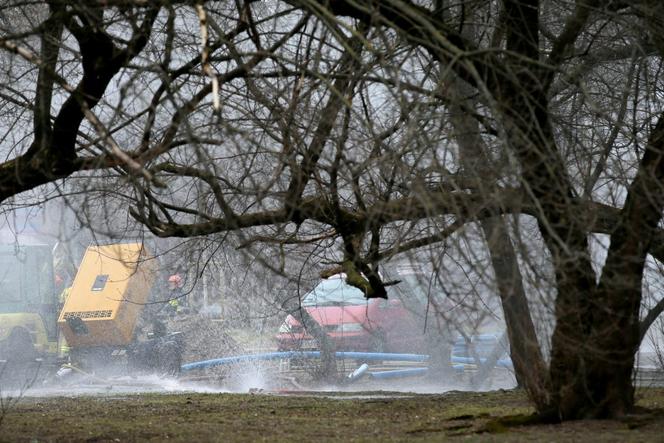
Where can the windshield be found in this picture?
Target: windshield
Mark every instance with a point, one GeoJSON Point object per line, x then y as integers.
{"type": "Point", "coordinates": [334, 292]}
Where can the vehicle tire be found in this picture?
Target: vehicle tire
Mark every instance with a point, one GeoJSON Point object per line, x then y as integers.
{"type": "Point", "coordinates": [20, 347]}
{"type": "Point", "coordinates": [19, 352]}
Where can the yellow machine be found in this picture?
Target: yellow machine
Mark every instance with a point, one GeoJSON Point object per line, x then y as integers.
{"type": "Point", "coordinates": [28, 304]}
{"type": "Point", "coordinates": [106, 304]}
{"type": "Point", "coordinates": [108, 294]}
{"type": "Point", "coordinates": [99, 319]}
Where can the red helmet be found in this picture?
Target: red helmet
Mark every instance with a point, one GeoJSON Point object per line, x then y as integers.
{"type": "Point", "coordinates": [175, 279]}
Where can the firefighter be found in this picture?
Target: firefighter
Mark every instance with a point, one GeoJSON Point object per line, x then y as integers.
{"type": "Point", "coordinates": [64, 294]}
{"type": "Point", "coordinates": [176, 296]}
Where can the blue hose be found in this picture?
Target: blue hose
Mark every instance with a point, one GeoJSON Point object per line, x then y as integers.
{"type": "Point", "coordinates": [368, 356]}
{"type": "Point", "coordinates": [411, 372]}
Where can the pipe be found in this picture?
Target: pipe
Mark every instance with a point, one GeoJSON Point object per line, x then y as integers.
{"type": "Point", "coordinates": [411, 372]}
{"type": "Point", "coordinates": [359, 372]}
{"type": "Point", "coordinates": [382, 356]}
{"type": "Point", "coordinates": [369, 356]}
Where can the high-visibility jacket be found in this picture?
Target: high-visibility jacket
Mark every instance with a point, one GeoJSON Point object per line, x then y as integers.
{"type": "Point", "coordinates": [62, 298]}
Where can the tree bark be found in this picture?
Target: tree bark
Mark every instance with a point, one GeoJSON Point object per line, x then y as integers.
{"type": "Point", "coordinates": [529, 365]}
{"type": "Point", "coordinates": [604, 388]}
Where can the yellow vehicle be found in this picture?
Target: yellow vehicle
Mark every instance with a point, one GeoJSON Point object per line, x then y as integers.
{"type": "Point", "coordinates": [103, 317]}
{"type": "Point", "coordinates": [100, 316]}
{"type": "Point", "coordinates": [28, 304]}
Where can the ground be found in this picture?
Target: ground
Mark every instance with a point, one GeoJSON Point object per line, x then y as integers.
{"type": "Point", "coordinates": [373, 416]}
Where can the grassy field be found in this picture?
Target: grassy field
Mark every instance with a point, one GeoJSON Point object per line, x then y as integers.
{"type": "Point", "coordinates": [372, 416]}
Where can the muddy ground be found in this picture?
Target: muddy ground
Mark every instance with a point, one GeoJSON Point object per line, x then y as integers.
{"type": "Point", "coordinates": [368, 416]}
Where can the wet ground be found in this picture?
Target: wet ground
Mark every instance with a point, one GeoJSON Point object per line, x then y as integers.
{"type": "Point", "coordinates": [270, 402]}
{"type": "Point", "coordinates": [120, 386]}
{"type": "Point", "coordinates": [272, 377]}
{"type": "Point", "coordinates": [263, 377]}
{"type": "Point", "coordinates": [307, 416]}
{"type": "Point", "coordinates": [281, 401]}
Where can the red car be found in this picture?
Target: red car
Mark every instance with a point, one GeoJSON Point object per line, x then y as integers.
{"type": "Point", "coordinates": [357, 324]}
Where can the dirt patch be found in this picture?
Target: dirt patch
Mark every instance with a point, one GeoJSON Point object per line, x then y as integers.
{"type": "Point", "coordinates": [246, 417]}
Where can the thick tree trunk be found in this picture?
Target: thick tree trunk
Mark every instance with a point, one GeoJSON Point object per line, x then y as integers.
{"type": "Point", "coordinates": [597, 331]}
{"type": "Point", "coordinates": [565, 236]}
{"type": "Point", "coordinates": [529, 365]}
{"type": "Point", "coordinates": [601, 384]}
{"type": "Point", "coordinates": [523, 106]}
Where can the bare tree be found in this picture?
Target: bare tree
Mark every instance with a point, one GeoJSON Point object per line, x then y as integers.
{"type": "Point", "coordinates": [377, 129]}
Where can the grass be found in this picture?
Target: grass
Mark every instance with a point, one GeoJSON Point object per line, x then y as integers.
{"type": "Point", "coordinates": [309, 417]}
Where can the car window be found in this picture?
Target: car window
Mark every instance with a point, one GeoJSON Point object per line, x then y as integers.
{"type": "Point", "coordinates": [334, 292]}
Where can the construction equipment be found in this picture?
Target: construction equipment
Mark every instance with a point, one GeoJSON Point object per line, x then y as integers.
{"type": "Point", "coordinates": [107, 296]}
{"type": "Point", "coordinates": [28, 305]}
{"type": "Point", "coordinates": [101, 314]}
{"type": "Point", "coordinates": [102, 318]}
